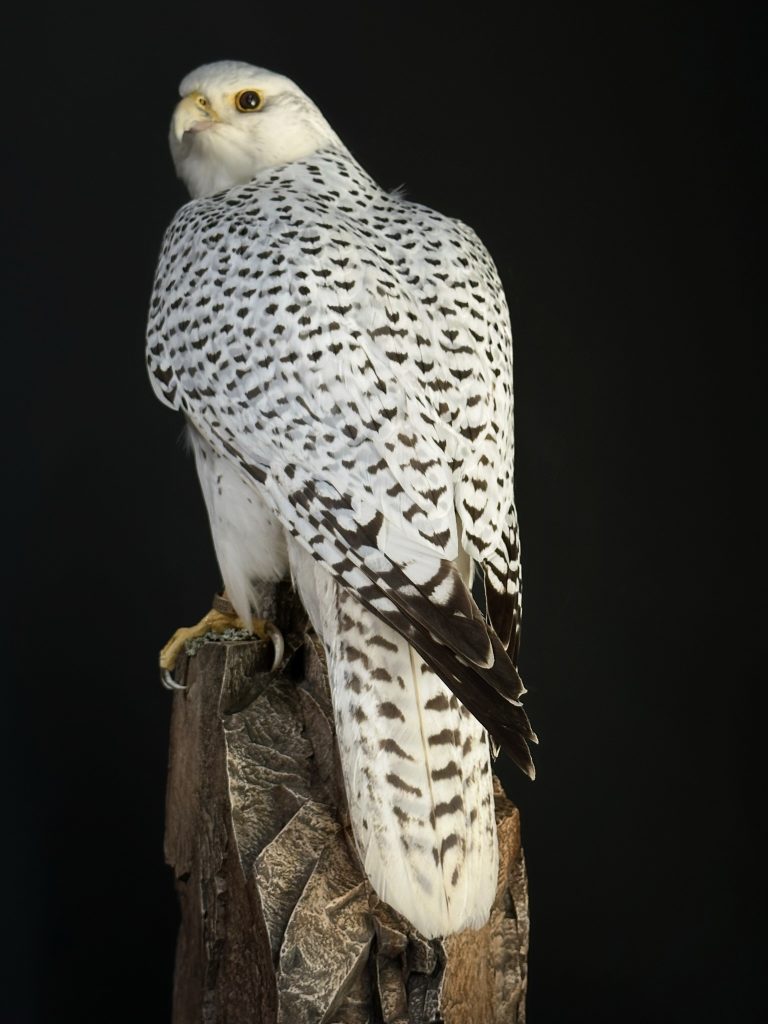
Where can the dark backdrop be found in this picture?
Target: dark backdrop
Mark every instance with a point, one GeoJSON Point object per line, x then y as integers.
{"type": "Point", "coordinates": [607, 158]}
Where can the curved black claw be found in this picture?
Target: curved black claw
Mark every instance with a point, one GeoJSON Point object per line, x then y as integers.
{"type": "Point", "coordinates": [168, 682]}
{"type": "Point", "coordinates": [278, 643]}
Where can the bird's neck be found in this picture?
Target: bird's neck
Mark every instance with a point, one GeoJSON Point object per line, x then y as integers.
{"type": "Point", "coordinates": [215, 165]}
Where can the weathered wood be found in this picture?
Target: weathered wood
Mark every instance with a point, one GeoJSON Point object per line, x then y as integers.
{"type": "Point", "coordinates": [279, 925]}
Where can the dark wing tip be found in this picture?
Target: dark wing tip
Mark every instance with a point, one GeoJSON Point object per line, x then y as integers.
{"type": "Point", "coordinates": [502, 611]}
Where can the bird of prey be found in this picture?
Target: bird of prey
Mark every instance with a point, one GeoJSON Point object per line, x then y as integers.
{"type": "Point", "coordinates": [342, 358]}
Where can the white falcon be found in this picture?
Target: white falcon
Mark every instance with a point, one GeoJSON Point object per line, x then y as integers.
{"type": "Point", "coordinates": [343, 360]}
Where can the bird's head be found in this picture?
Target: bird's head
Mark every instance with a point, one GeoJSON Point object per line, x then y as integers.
{"type": "Point", "coordinates": [235, 120]}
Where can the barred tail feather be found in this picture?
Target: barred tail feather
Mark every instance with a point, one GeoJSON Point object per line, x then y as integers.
{"type": "Point", "coordinates": [416, 765]}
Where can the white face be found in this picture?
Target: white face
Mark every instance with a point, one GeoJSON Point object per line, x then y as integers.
{"type": "Point", "coordinates": [235, 120]}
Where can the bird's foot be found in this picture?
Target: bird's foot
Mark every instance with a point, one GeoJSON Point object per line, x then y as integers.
{"type": "Point", "coordinates": [219, 619]}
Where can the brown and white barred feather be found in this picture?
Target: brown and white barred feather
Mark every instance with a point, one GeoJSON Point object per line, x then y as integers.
{"type": "Point", "coordinates": [416, 765]}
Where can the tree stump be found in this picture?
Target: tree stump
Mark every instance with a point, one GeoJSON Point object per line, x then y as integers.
{"type": "Point", "coordinates": [278, 923]}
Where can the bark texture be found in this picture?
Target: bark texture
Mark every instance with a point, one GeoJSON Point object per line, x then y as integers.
{"type": "Point", "coordinates": [279, 925]}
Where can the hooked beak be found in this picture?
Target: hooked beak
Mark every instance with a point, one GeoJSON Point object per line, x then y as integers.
{"type": "Point", "coordinates": [193, 114]}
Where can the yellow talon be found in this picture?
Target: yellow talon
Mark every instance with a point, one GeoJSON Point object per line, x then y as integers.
{"type": "Point", "coordinates": [216, 621]}
{"type": "Point", "coordinates": [212, 622]}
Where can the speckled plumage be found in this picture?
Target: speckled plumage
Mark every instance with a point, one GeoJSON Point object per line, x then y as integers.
{"type": "Point", "coordinates": [343, 359]}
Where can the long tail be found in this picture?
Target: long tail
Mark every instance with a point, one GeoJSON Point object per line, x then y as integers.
{"type": "Point", "coordinates": [416, 765]}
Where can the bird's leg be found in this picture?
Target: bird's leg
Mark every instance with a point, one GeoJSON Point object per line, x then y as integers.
{"type": "Point", "coordinates": [220, 618]}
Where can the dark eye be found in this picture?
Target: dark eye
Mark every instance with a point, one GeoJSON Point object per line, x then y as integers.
{"type": "Point", "coordinates": [249, 100]}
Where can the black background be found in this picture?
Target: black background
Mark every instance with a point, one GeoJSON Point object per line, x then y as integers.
{"type": "Point", "coordinates": [607, 157]}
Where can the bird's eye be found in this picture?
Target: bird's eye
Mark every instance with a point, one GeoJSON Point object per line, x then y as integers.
{"type": "Point", "coordinates": [249, 100]}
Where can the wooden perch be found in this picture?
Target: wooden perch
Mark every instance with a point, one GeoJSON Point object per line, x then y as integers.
{"type": "Point", "coordinates": [278, 923]}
